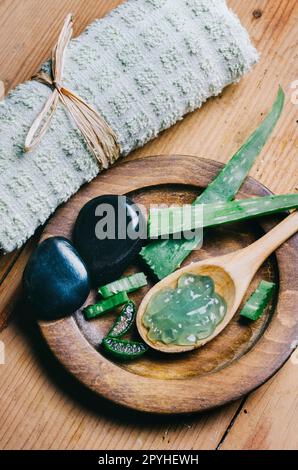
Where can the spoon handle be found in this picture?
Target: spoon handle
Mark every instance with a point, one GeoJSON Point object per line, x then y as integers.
{"type": "Point", "coordinates": [254, 255]}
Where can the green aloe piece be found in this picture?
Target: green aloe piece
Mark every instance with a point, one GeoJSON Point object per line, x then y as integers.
{"type": "Point", "coordinates": [125, 284]}
{"type": "Point", "coordinates": [124, 321]}
{"type": "Point", "coordinates": [256, 304]}
{"type": "Point", "coordinates": [123, 349]}
{"type": "Point", "coordinates": [164, 256]}
{"type": "Point", "coordinates": [105, 305]}
{"type": "Point", "coordinates": [171, 220]}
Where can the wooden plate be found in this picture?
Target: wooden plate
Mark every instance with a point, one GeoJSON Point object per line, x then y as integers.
{"type": "Point", "coordinates": [240, 359]}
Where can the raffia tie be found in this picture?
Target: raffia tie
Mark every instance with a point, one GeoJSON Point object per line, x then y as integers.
{"type": "Point", "coordinates": [100, 138]}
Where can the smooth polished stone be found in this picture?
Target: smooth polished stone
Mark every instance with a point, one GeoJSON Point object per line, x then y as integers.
{"type": "Point", "coordinates": [108, 235]}
{"type": "Point", "coordinates": [56, 281]}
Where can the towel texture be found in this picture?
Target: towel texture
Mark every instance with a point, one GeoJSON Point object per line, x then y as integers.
{"type": "Point", "coordinates": [144, 66]}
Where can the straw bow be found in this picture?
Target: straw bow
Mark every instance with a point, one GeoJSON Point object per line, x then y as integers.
{"type": "Point", "coordinates": [100, 138]}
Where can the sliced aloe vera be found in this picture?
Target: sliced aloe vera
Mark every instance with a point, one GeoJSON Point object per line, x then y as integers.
{"type": "Point", "coordinates": [164, 256]}
{"type": "Point", "coordinates": [123, 349]}
{"type": "Point", "coordinates": [106, 305]}
{"type": "Point", "coordinates": [126, 284]}
{"type": "Point", "coordinates": [171, 220]}
{"type": "Point", "coordinates": [256, 304]}
{"type": "Point", "coordinates": [124, 321]}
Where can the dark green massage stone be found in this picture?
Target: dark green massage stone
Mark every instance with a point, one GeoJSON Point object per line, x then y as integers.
{"type": "Point", "coordinates": [56, 281]}
{"type": "Point", "coordinates": [108, 235]}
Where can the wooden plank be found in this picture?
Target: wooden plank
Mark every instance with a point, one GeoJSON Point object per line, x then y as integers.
{"type": "Point", "coordinates": [29, 30]}
{"type": "Point", "coordinates": [6, 263]}
{"type": "Point", "coordinates": [269, 417]}
{"type": "Point", "coordinates": [40, 406]}
{"type": "Point", "coordinates": [10, 285]}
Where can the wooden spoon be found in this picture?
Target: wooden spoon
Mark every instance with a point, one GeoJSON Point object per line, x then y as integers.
{"type": "Point", "coordinates": [231, 273]}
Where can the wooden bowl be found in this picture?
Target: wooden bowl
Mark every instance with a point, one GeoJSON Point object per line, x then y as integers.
{"type": "Point", "coordinates": [240, 359]}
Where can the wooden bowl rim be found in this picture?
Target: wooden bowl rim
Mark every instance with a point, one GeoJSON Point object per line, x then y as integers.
{"type": "Point", "coordinates": [196, 393]}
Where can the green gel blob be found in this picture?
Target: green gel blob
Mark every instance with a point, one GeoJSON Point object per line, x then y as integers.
{"type": "Point", "coordinates": [184, 315]}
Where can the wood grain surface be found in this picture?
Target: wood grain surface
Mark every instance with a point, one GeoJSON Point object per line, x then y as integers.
{"type": "Point", "coordinates": [40, 408]}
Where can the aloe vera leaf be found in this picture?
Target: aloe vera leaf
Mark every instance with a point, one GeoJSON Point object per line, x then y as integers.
{"type": "Point", "coordinates": [256, 304]}
{"type": "Point", "coordinates": [217, 213]}
{"type": "Point", "coordinates": [96, 310]}
{"type": "Point", "coordinates": [123, 349]}
{"type": "Point", "coordinates": [124, 321]}
{"type": "Point", "coordinates": [164, 256]}
{"type": "Point", "coordinates": [125, 284]}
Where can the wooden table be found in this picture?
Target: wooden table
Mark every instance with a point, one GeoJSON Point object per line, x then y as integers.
{"type": "Point", "coordinates": [43, 408]}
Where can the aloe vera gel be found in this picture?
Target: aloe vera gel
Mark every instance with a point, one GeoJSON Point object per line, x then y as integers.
{"type": "Point", "coordinates": [187, 314]}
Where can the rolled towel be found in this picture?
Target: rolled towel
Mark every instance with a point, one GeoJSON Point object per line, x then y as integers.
{"type": "Point", "coordinates": [142, 67]}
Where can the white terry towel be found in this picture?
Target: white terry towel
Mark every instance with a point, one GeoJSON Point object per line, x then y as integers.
{"type": "Point", "coordinates": [143, 67]}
